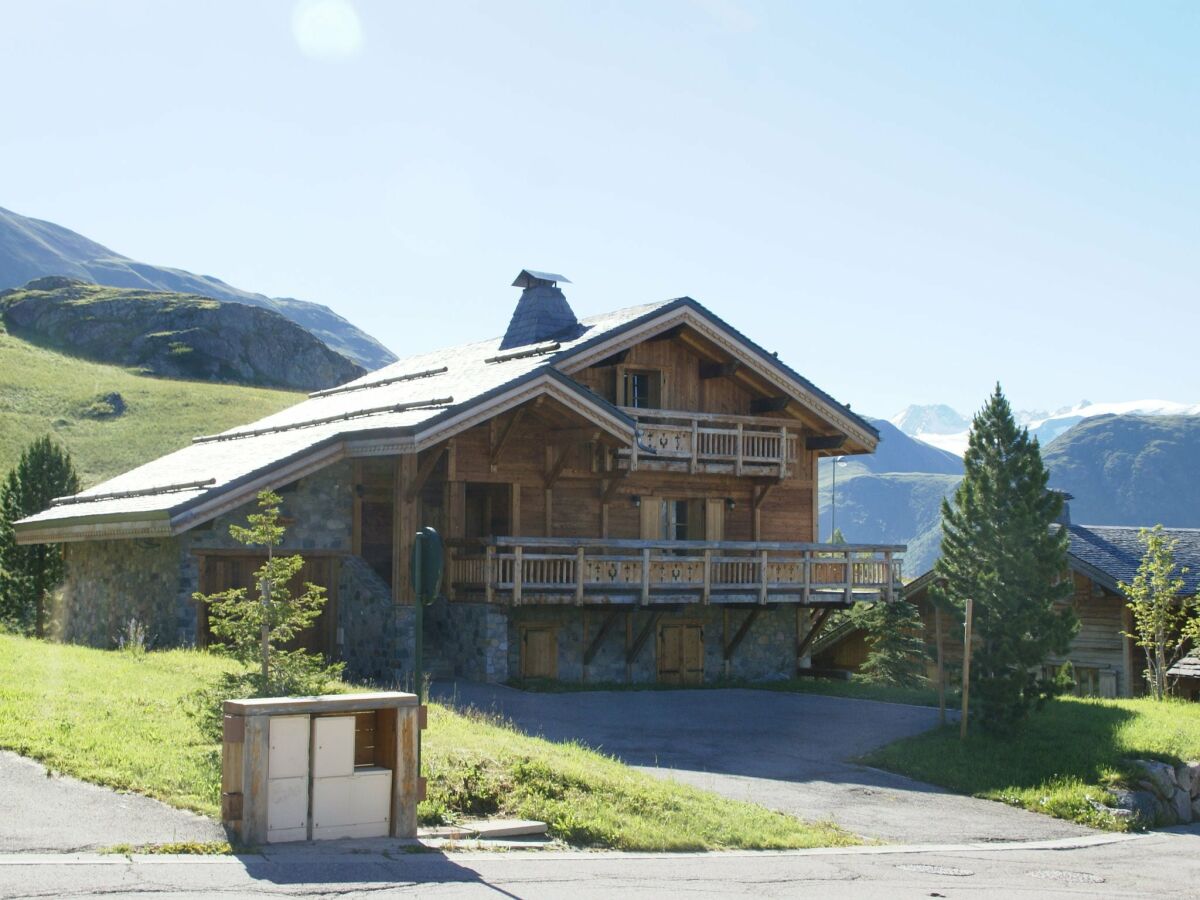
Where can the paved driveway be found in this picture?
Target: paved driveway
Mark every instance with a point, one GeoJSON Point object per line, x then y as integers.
{"type": "Point", "coordinates": [51, 812]}
{"type": "Point", "coordinates": [786, 751]}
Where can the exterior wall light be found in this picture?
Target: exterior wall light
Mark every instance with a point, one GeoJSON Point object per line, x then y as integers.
{"type": "Point", "coordinates": [730, 503]}
{"type": "Point", "coordinates": [635, 500]}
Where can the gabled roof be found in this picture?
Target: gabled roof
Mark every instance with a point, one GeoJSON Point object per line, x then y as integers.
{"type": "Point", "coordinates": [1112, 553]}
{"type": "Point", "coordinates": [402, 408]}
{"type": "Point", "coordinates": [1109, 554]}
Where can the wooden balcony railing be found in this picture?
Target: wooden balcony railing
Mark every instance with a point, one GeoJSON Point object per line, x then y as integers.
{"type": "Point", "coordinates": [608, 570]}
{"type": "Point", "coordinates": [745, 444]}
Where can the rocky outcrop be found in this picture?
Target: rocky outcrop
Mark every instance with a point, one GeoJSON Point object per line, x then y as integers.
{"type": "Point", "coordinates": [173, 335]}
{"type": "Point", "coordinates": [1160, 794]}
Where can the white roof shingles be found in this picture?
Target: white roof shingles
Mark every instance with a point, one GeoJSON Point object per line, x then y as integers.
{"type": "Point", "coordinates": [468, 377]}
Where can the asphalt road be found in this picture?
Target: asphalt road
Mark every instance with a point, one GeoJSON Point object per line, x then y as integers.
{"type": "Point", "coordinates": [51, 812]}
{"type": "Point", "coordinates": [786, 751]}
{"type": "Point", "coordinates": [1158, 865]}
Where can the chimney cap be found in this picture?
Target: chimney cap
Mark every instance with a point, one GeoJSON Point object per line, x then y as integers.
{"type": "Point", "coordinates": [530, 278]}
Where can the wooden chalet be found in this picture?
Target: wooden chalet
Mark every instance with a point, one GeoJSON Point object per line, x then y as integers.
{"type": "Point", "coordinates": [1106, 663]}
{"type": "Point", "coordinates": [630, 496]}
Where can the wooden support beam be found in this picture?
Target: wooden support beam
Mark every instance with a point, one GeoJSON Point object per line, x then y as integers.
{"type": "Point", "coordinates": [615, 360]}
{"type": "Point", "coordinates": [643, 636]}
{"type": "Point", "coordinates": [750, 619]}
{"type": "Point", "coordinates": [768, 404]}
{"type": "Point", "coordinates": [607, 626]}
{"type": "Point", "coordinates": [556, 460]}
{"type": "Point", "coordinates": [611, 485]}
{"type": "Point", "coordinates": [424, 470]}
{"type": "Point", "coordinates": [719, 370]}
{"type": "Point", "coordinates": [506, 432]}
{"type": "Point", "coordinates": [806, 641]}
{"type": "Point", "coordinates": [581, 434]}
{"type": "Point", "coordinates": [669, 334]}
{"type": "Point", "coordinates": [405, 528]}
{"type": "Point", "coordinates": [824, 441]}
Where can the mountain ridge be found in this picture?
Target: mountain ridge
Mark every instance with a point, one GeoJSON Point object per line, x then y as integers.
{"type": "Point", "coordinates": [33, 248]}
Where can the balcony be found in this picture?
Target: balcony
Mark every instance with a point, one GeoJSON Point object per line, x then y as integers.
{"type": "Point", "coordinates": [695, 442]}
{"type": "Point", "coordinates": [516, 570]}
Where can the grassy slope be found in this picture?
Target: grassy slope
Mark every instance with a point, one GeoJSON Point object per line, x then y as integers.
{"type": "Point", "coordinates": [42, 392]}
{"type": "Point", "coordinates": [119, 719]}
{"type": "Point", "coordinates": [1063, 755]}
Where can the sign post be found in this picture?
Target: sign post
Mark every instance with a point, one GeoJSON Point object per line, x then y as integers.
{"type": "Point", "coordinates": [966, 687]}
{"type": "Point", "coordinates": [428, 560]}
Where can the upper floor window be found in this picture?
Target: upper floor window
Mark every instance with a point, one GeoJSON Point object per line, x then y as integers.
{"type": "Point", "coordinates": [642, 389]}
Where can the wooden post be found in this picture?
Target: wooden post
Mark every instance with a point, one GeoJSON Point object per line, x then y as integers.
{"type": "Point", "coordinates": [707, 594]}
{"type": "Point", "coordinates": [579, 576]}
{"type": "Point", "coordinates": [783, 452]}
{"type": "Point", "coordinates": [941, 665]}
{"type": "Point", "coordinates": [738, 462]}
{"type": "Point", "coordinates": [406, 526]}
{"type": "Point", "coordinates": [966, 681]}
{"type": "Point", "coordinates": [645, 576]}
{"type": "Point", "coordinates": [518, 573]}
{"type": "Point", "coordinates": [489, 574]}
{"type": "Point", "coordinates": [695, 445]}
{"type": "Point", "coordinates": [762, 576]}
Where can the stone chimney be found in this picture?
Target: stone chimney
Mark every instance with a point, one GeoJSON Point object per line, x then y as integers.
{"type": "Point", "coordinates": [1064, 517]}
{"type": "Point", "coordinates": [542, 313]}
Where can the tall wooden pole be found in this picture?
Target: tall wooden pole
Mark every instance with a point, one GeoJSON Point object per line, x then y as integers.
{"type": "Point", "coordinates": [966, 685]}
{"type": "Point", "coordinates": [941, 665]}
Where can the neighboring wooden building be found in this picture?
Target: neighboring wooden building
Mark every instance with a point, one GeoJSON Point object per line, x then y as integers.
{"type": "Point", "coordinates": [631, 496]}
{"type": "Point", "coordinates": [1105, 661]}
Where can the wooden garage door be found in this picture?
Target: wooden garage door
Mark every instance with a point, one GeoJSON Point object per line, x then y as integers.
{"type": "Point", "coordinates": [681, 653]}
{"type": "Point", "coordinates": [220, 572]}
{"type": "Point", "coordinates": [539, 652]}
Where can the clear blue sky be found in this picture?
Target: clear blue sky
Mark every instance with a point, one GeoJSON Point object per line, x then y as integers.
{"type": "Point", "coordinates": [908, 201]}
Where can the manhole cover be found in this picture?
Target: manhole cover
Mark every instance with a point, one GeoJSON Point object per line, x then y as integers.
{"type": "Point", "coordinates": [936, 870]}
{"type": "Point", "coordinates": [1067, 877]}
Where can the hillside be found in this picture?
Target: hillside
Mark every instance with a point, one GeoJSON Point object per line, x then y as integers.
{"type": "Point", "coordinates": [173, 335]}
{"type": "Point", "coordinates": [892, 496]}
{"type": "Point", "coordinates": [111, 419]}
{"type": "Point", "coordinates": [943, 427]}
{"type": "Point", "coordinates": [32, 248]}
{"type": "Point", "coordinates": [1130, 470]}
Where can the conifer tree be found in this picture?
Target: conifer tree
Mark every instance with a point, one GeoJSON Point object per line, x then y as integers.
{"type": "Point", "coordinates": [28, 574]}
{"type": "Point", "coordinates": [1000, 548]}
{"type": "Point", "coordinates": [895, 635]}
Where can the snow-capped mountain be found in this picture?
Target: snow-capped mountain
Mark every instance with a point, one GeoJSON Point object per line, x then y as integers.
{"type": "Point", "coordinates": [936, 424]}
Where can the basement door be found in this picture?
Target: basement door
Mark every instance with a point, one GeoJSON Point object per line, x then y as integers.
{"type": "Point", "coordinates": [539, 652]}
{"type": "Point", "coordinates": [681, 653]}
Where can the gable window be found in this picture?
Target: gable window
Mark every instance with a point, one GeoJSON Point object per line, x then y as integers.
{"type": "Point", "coordinates": [642, 389]}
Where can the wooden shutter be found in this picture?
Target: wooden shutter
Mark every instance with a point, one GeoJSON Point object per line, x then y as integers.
{"type": "Point", "coordinates": [652, 519]}
{"type": "Point", "coordinates": [714, 520]}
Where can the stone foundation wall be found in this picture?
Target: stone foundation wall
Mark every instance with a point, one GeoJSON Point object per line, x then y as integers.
{"type": "Point", "coordinates": [767, 651]}
{"type": "Point", "coordinates": [470, 639]}
{"type": "Point", "coordinates": [109, 583]}
{"type": "Point", "coordinates": [375, 635]}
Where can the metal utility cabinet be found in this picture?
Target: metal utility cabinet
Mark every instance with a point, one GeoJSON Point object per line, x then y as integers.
{"type": "Point", "coordinates": [313, 768]}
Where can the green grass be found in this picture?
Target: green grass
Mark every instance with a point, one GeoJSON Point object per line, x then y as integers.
{"type": "Point", "coordinates": [120, 719]}
{"type": "Point", "coordinates": [46, 392]}
{"type": "Point", "coordinates": [833, 687]}
{"type": "Point", "coordinates": [1065, 754]}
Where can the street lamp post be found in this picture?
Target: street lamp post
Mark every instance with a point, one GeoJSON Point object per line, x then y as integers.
{"type": "Point", "coordinates": [837, 461]}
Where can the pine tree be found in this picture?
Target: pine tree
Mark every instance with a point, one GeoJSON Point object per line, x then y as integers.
{"type": "Point", "coordinates": [1000, 548]}
{"type": "Point", "coordinates": [896, 637]}
{"type": "Point", "coordinates": [28, 574]}
{"type": "Point", "coordinates": [255, 630]}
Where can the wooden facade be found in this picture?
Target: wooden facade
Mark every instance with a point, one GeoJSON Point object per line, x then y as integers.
{"type": "Point", "coordinates": [1105, 662]}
